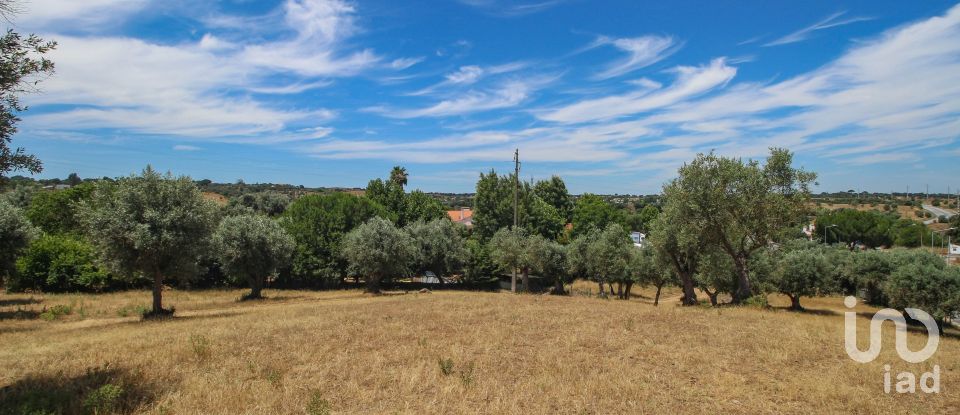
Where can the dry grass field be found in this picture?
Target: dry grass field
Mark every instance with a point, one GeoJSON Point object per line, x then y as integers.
{"type": "Point", "coordinates": [446, 352]}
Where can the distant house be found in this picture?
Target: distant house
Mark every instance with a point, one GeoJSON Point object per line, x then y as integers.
{"type": "Point", "coordinates": [639, 239]}
{"type": "Point", "coordinates": [954, 249]}
{"type": "Point", "coordinates": [57, 187]}
{"type": "Point", "coordinates": [463, 216]}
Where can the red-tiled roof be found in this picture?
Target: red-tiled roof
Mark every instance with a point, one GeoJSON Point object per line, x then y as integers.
{"type": "Point", "coordinates": [460, 214]}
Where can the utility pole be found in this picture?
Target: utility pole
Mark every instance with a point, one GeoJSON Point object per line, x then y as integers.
{"type": "Point", "coordinates": [516, 212]}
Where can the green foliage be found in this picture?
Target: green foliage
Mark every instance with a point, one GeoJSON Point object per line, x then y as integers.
{"type": "Point", "coordinates": [715, 274]}
{"type": "Point", "coordinates": [56, 312]}
{"type": "Point", "coordinates": [922, 280]}
{"type": "Point", "coordinates": [480, 266]}
{"type": "Point", "coordinates": [405, 207]}
{"type": "Point", "coordinates": [268, 203]}
{"type": "Point", "coordinates": [740, 206]}
{"type": "Point", "coordinates": [21, 196]}
{"type": "Point", "coordinates": [250, 248]}
{"type": "Point", "coordinates": [318, 224]}
{"type": "Point", "coordinates": [390, 195]}
{"type": "Point", "coordinates": [641, 221]}
{"type": "Point", "coordinates": [318, 405]}
{"type": "Point", "coordinates": [554, 192]}
{"type": "Point", "coordinates": [22, 61]}
{"type": "Point", "coordinates": [543, 219]}
{"type": "Point", "coordinates": [152, 224]}
{"type": "Point", "coordinates": [398, 176]}
{"type": "Point", "coordinates": [59, 263]}
{"type": "Point", "coordinates": [439, 246]}
{"type": "Point", "coordinates": [677, 245]}
{"type": "Point", "coordinates": [592, 212]}
{"type": "Point", "coordinates": [103, 400]}
{"type": "Point", "coordinates": [419, 206]}
{"type": "Point", "coordinates": [446, 366]}
{"type": "Point", "coordinates": [493, 204]}
{"type": "Point", "coordinates": [601, 256]}
{"type": "Point", "coordinates": [548, 259]}
{"type": "Point", "coordinates": [644, 269]}
{"type": "Point", "coordinates": [510, 249]}
{"type": "Point", "coordinates": [872, 228]}
{"type": "Point", "coordinates": [55, 211]}
{"type": "Point", "coordinates": [804, 272]}
{"type": "Point", "coordinates": [378, 250]}
{"type": "Point", "coordinates": [16, 233]}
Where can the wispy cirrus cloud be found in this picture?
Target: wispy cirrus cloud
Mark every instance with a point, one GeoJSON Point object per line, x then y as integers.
{"type": "Point", "coordinates": [508, 94]}
{"type": "Point", "coordinates": [641, 52]}
{"type": "Point", "coordinates": [833, 20]}
{"type": "Point", "coordinates": [690, 81]}
{"type": "Point", "coordinates": [855, 110]}
{"type": "Point", "coordinates": [504, 8]}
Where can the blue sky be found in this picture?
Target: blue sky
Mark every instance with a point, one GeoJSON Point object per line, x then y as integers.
{"type": "Point", "coordinates": [613, 96]}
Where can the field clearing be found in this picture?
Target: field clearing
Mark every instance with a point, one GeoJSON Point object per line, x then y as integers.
{"type": "Point", "coordinates": [354, 353]}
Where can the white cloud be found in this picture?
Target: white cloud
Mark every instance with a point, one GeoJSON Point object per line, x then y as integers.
{"type": "Point", "coordinates": [506, 8]}
{"type": "Point", "coordinates": [690, 82]}
{"type": "Point", "coordinates": [892, 99]}
{"type": "Point", "coordinates": [184, 147]}
{"type": "Point", "coordinates": [833, 20]}
{"type": "Point", "coordinates": [66, 15]}
{"type": "Point", "coordinates": [404, 63]}
{"type": "Point", "coordinates": [199, 89]}
{"type": "Point", "coordinates": [509, 94]}
{"type": "Point", "coordinates": [642, 51]}
{"type": "Point", "coordinates": [465, 75]}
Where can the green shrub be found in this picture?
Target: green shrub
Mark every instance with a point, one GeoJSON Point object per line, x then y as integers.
{"type": "Point", "coordinates": [446, 366]}
{"type": "Point", "coordinates": [103, 400]}
{"type": "Point", "coordinates": [318, 405]}
{"type": "Point", "coordinates": [58, 263]}
{"type": "Point", "coordinates": [56, 311]}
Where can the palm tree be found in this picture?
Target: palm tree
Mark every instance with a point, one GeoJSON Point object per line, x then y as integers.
{"type": "Point", "coordinates": [399, 175]}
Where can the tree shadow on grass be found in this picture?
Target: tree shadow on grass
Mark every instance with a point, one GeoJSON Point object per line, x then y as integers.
{"type": "Point", "coordinates": [18, 301]}
{"type": "Point", "coordinates": [19, 314]}
{"type": "Point", "coordinates": [915, 327]}
{"type": "Point", "coordinates": [99, 390]}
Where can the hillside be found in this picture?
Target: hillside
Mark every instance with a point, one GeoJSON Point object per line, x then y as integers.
{"type": "Point", "coordinates": [348, 352]}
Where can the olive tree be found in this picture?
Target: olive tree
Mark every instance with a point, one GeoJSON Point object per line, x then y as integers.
{"type": "Point", "coordinates": [646, 270]}
{"type": "Point", "coordinates": [741, 206]}
{"type": "Point", "coordinates": [926, 283]}
{"type": "Point", "coordinates": [439, 247]}
{"type": "Point", "coordinates": [804, 273]}
{"type": "Point", "coordinates": [377, 250]}
{"type": "Point", "coordinates": [510, 249]}
{"type": "Point", "coordinates": [150, 224]}
{"type": "Point", "coordinates": [549, 260]}
{"type": "Point", "coordinates": [251, 247]}
{"type": "Point", "coordinates": [16, 233]}
{"type": "Point", "coordinates": [23, 63]}
{"type": "Point", "coordinates": [601, 255]}
{"type": "Point", "coordinates": [677, 245]}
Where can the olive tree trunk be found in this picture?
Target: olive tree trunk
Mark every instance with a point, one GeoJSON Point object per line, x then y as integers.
{"type": "Point", "coordinates": [525, 279]}
{"type": "Point", "coordinates": [157, 293]}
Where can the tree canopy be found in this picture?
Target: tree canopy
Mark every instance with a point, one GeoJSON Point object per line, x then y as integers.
{"type": "Point", "coordinates": [250, 248]}
{"type": "Point", "coordinates": [150, 224]}
{"type": "Point", "coordinates": [318, 224]}
{"type": "Point", "coordinates": [23, 62]}
{"type": "Point", "coordinates": [377, 250]}
{"type": "Point", "coordinates": [741, 206]}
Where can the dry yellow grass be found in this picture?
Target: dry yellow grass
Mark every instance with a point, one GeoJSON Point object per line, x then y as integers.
{"type": "Point", "coordinates": [509, 354]}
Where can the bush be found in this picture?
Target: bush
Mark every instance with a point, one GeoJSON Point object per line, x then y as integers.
{"type": "Point", "coordinates": [103, 400]}
{"type": "Point", "coordinates": [16, 232]}
{"type": "Point", "coordinates": [56, 311]}
{"type": "Point", "coordinates": [59, 264]}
